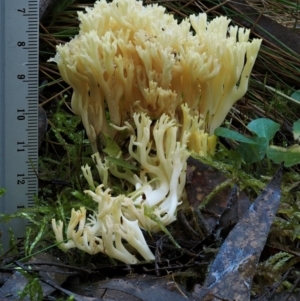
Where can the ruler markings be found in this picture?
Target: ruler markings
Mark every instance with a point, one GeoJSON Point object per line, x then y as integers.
{"type": "Point", "coordinates": [18, 109]}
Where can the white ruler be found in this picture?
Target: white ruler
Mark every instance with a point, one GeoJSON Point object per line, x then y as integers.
{"type": "Point", "coordinates": [19, 34]}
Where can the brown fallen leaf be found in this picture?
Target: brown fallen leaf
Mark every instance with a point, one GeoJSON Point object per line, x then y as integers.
{"type": "Point", "coordinates": [201, 181]}
{"type": "Point", "coordinates": [139, 287]}
{"type": "Point", "coordinates": [223, 210]}
{"type": "Point", "coordinates": [17, 282]}
{"type": "Point", "coordinates": [231, 273]}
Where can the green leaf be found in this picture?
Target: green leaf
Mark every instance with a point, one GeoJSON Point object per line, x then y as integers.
{"type": "Point", "coordinates": [296, 130]}
{"type": "Point", "coordinates": [252, 153]}
{"type": "Point", "coordinates": [296, 95]}
{"type": "Point", "coordinates": [230, 134]}
{"type": "Point", "coordinates": [290, 155]}
{"type": "Point", "coordinates": [264, 127]}
{"type": "Point", "coordinates": [112, 148]}
{"type": "Point", "coordinates": [122, 163]}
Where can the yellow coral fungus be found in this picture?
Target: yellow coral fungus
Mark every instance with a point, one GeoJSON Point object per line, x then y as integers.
{"type": "Point", "coordinates": [128, 57]}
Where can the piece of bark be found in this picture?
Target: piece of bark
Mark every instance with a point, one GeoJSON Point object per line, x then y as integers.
{"type": "Point", "coordinates": [231, 273]}
{"type": "Point", "coordinates": [265, 27]}
{"type": "Point", "coordinates": [284, 41]}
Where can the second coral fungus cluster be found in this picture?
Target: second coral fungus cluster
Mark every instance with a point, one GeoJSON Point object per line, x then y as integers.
{"type": "Point", "coordinates": [167, 86]}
